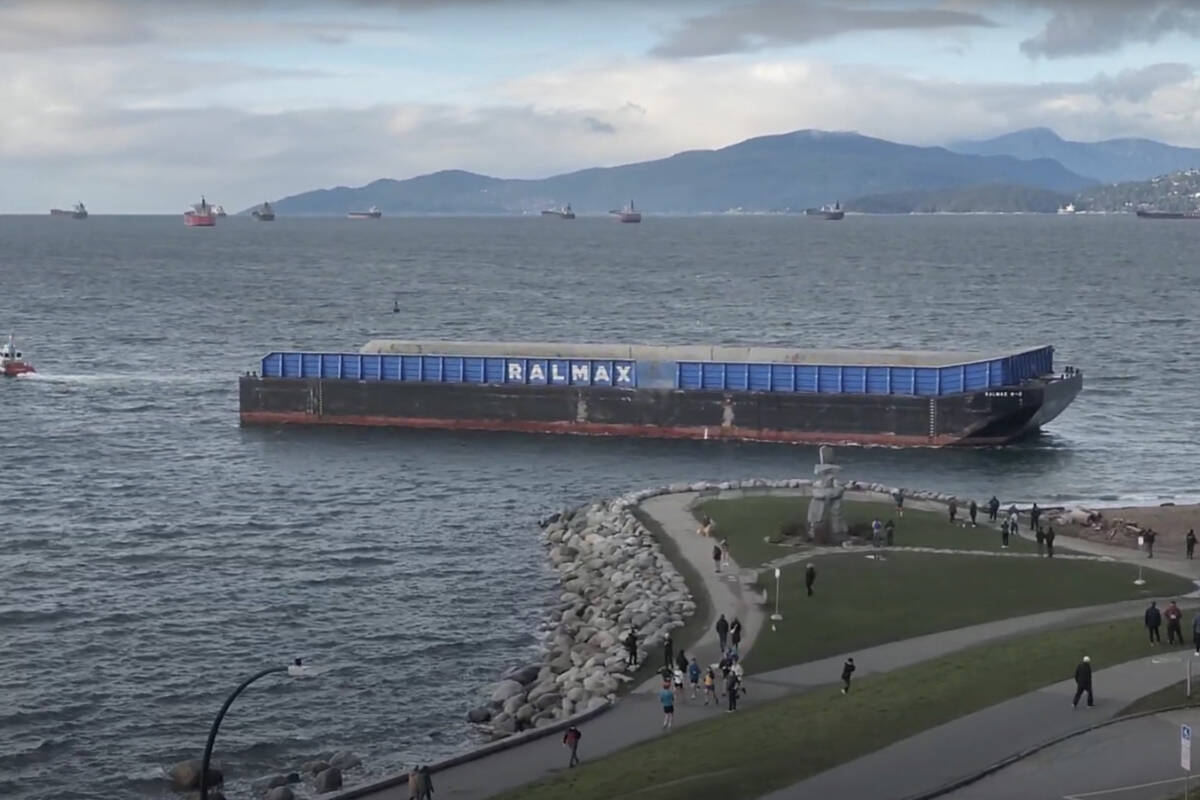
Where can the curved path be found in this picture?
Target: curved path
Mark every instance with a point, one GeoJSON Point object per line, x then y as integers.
{"type": "Point", "coordinates": [637, 717]}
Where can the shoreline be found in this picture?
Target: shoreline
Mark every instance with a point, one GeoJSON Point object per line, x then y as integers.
{"type": "Point", "coordinates": [585, 543]}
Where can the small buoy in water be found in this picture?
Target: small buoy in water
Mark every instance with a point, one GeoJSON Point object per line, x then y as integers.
{"type": "Point", "coordinates": [395, 306]}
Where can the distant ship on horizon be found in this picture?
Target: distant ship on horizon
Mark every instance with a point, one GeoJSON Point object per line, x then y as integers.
{"type": "Point", "coordinates": [219, 211]}
{"type": "Point", "coordinates": [264, 213]}
{"type": "Point", "coordinates": [78, 212]}
{"type": "Point", "coordinates": [627, 214]}
{"type": "Point", "coordinates": [1149, 213]}
{"type": "Point", "coordinates": [562, 213]}
{"type": "Point", "coordinates": [833, 212]}
{"type": "Point", "coordinates": [370, 213]}
{"type": "Point", "coordinates": [200, 215]}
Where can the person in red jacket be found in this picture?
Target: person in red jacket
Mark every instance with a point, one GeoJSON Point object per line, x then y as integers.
{"type": "Point", "coordinates": [571, 739]}
{"type": "Point", "coordinates": [1174, 623]}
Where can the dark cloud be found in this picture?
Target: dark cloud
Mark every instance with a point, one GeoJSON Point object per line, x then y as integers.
{"type": "Point", "coordinates": [598, 125]}
{"type": "Point", "coordinates": [1087, 27]}
{"type": "Point", "coordinates": [777, 23]}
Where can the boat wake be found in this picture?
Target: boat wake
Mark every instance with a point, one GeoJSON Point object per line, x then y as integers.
{"type": "Point", "coordinates": [119, 378]}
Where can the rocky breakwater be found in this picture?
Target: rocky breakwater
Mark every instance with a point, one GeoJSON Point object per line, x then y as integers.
{"type": "Point", "coordinates": [614, 579]}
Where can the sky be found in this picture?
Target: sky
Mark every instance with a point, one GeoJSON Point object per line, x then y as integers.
{"type": "Point", "coordinates": [139, 106]}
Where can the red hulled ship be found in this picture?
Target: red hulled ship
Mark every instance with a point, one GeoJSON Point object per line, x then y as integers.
{"type": "Point", "coordinates": [200, 215]}
{"type": "Point", "coordinates": [12, 363]}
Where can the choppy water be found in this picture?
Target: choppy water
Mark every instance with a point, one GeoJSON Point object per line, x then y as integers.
{"type": "Point", "coordinates": [153, 553]}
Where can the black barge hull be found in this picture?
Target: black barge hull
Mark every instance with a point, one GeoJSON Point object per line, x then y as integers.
{"type": "Point", "coordinates": [991, 417]}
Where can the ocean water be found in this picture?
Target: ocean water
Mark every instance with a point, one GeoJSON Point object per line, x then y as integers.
{"type": "Point", "coordinates": [154, 553]}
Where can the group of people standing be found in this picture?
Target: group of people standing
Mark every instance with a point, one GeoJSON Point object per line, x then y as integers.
{"type": "Point", "coordinates": [1174, 618]}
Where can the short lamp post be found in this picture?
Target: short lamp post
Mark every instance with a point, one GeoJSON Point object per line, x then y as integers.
{"type": "Point", "coordinates": [777, 616]}
{"type": "Point", "coordinates": [296, 670]}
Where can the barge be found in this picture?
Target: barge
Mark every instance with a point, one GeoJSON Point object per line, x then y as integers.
{"type": "Point", "coordinates": [767, 394]}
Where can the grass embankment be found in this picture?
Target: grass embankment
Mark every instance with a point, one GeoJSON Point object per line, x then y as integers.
{"type": "Point", "coordinates": [862, 601]}
{"type": "Point", "coordinates": [747, 521]}
{"type": "Point", "coordinates": [1166, 697]}
{"type": "Point", "coordinates": [695, 627]}
{"type": "Point", "coordinates": [761, 749]}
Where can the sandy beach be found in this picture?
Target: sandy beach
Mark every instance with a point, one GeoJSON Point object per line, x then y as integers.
{"type": "Point", "coordinates": [1121, 526]}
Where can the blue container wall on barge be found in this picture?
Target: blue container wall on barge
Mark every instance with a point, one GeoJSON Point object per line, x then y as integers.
{"type": "Point", "coordinates": [920, 381]}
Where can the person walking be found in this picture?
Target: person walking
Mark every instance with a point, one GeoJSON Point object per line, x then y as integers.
{"type": "Point", "coordinates": [953, 510]}
{"type": "Point", "coordinates": [1050, 541]}
{"type": "Point", "coordinates": [426, 783]}
{"type": "Point", "coordinates": [1083, 682]}
{"type": "Point", "coordinates": [693, 672]}
{"type": "Point", "coordinates": [1174, 619]}
{"type": "Point", "coordinates": [973, 510]}
{"type": "Point", "coordinates": [1190, 540]}
{"type": "Point", "coordinates": [677, 685]}
{"type": "Point", "coordinates": [732, 690]}
{"type": "Point", "coordinates": [876, 532]}
{"type": "Point", "coordinates": [667, 698]}
{"type": "Point", "coordinates": [1004, 529]}
{"type": "Point", "coordinates": [1153, 619]}
{"type": "Point", "coordinates": [1041, 541]}
{"type": "Point", "coordinates": [993, 508]}
{"type": "Point", "coordinates": [1149, 536]}
{"type": "Point", "coordinates": [722, 631]}
{"type": "Point", "coordinates": [1196, 632]}
{"type": "Point", "coordinates": [725, 553]}
{"type": "Point", "coordinates": [414, 784]}
{"type": "Point", "coordinates": [810, 577]}
{"type": "Point", "coordinates": [668, 651]}
{"type": "Point", "coordinates": [889, 533]}
{"type": "Point", "coordinates": [710, 686]}
{"type": "Point", "coordinates": [898, 496]}
{"type": "Point", "coordinates": [631, 648]}
{"type": "Point", "coordinates": [1035, 514]}
{"type": "Point", "coordinates": [735, 633]}
{"type": "Point", "coordinates": [681, 661]}
{"type": "Point", "coordinates": [717, 557]}
{"type": "Point", "coordinates": [847, 670]}
{"type": "Point", "coordinates": [571, 739]}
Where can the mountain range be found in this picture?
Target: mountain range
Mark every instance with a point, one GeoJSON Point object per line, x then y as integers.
{"type": "Point", "coordinates": [1029, 170]}
{"type": "Point", "coordinates": [1108, 161]}
{"type": "Point", "coordinates": [790, 171]}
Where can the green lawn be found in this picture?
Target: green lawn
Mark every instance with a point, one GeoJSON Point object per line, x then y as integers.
{"type": "Point", "coordinates": [1167, 697]}
{"type": "Point", "coordinates": [761, 749]}
{"type": "Point", "coordinates": [747, 521]}
{"type": "Point", "coordinates": [860, 602]}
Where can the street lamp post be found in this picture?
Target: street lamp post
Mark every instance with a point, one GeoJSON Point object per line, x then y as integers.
{"type": "Point", "coordinates": [296, 669]}
{"type": "Point", "coordinates": [777, 616]}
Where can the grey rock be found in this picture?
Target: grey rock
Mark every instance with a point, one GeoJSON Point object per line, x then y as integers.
{"type": "Point", "coordinates": [548, 700]}
{"type": "Point", "coordinates": [277, 780]}
{"type": "Point", "coordinates": [345, 760]}
{"type": "Point", "coordinates": [525, 713]}
{"type": "Point", "coordinates": [513, 703]}
{"type": "Point", "coordinates": [313, 767]}
{"type": "Point", "coordinates": [524, 675]}
{"type": "Point", "coordinates": [280, 793]}
{"type": "Point", "coordinates": [328, 780]}
{"type": "Point", "coordinates": [479, 715]}
{"type": "Point", "coordinates": [506, 689]}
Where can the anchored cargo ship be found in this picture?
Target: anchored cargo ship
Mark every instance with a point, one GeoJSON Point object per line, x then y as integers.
{"type": "Point", "coordinates": [878, 397]}
{"type": "Point", "coordinates": [627, 214]}
{"type": "Point", "coordinates": [78, 212]}
{"type": "Point", "coordinates": [200, 215]}
{"type": "Point", "coordinates": [370, 213]}
{"type": "Point", "coordinates": [562, 213]}
{"type": "Point", "coordinates": [264, 213]}
{"type": "Point", "coordinates": [1147, 213]}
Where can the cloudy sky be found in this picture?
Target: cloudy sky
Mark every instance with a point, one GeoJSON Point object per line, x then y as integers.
{"type": "Point", "coordinates": [141, 105]}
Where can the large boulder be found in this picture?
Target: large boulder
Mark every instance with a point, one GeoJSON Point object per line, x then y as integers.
{"type": "Point", "coordinates": [185, 775]}
{"type": "Point", "coordinates": [548, 700]}
{"type": "Point", "coordinates": [328, 780]}
{"type": "Point", "coordinates": [280, 793]}
{"type": "Point", "coordinates": [524, 675]}
{"type": "Point", "coordinates": [313, 767]}
{"type": "Point", "coordinates": [345, 760]}
{"type": "Point", "coordinates": [513, 703]}
{"type": "Point", "coordinates": [479, 715]}
{"type": "Point", "coordinates": [506, 689]}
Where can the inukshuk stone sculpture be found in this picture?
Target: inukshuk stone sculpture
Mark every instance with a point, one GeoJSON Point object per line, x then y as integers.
{"type": "Point", "coordinates": [826, 522]}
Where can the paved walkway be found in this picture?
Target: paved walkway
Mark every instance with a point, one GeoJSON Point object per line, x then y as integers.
{"type": "Point", "coordinates": [1134, 760]}
{"type": "Point", "coordinates": [637, 717]}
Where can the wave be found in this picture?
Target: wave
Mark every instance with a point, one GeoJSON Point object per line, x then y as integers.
{"type": "Point", "coordinates": [19, 616]}
{"type": "Point", "coordinates": [130, 378]}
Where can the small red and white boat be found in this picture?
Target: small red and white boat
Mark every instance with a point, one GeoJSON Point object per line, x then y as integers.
{"type": "Point", "coordinates": [201, 215]}
{"type": "Point", "coordinates": [12, 363]}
